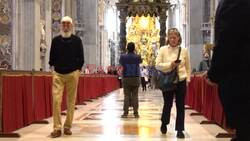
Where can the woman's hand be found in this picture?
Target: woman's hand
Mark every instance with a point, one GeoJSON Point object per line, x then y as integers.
{"type": "Point", "coordinates": [174, 65]}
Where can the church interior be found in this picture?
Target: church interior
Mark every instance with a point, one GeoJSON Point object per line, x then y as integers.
{"type": "Point", "coordinates": [27, 28]}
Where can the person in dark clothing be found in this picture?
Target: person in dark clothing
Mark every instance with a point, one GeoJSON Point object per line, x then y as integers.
{"type": "Point", "coordinates": [143, 78]}
{"type": "Point", "coordinates": [66, 61]}
{"type": "Point", "coordinates": [230, 65]}
{"type": "Point", "coordinates": [130, 79]}
{"type": "Point", "coordinates": [205, 63]}
{"type": "Point", "coordinates": [66, 54]}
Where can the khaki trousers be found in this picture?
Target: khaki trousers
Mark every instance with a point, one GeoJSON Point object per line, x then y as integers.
{"type": "Point", "coordinates": [69, 80]}
{"type": "Point", "coordinates": [130, 90]}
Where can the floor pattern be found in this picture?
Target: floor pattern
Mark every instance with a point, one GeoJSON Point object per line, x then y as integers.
{"type": "Point", "coordinates": [100, 121]}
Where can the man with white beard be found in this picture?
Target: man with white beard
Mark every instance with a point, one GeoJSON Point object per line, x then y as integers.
{"type": "Point", "coordinates": [66, 61]}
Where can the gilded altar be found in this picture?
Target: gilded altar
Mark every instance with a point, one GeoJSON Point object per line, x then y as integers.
{"type": "Point", "coordinates": [144, 32]}
{"type": "Point", "coordinates": [138, 23]}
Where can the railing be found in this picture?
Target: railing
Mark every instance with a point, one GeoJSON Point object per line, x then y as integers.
{"type": "Point", "coordinates": [204, 99]}
{"type": "Point", "coordinates": [26, 97]}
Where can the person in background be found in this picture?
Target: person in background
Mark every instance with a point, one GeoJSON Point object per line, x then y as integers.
{"type": "Point", "coordinates": [119, 73]}
{"type": "Point", "coordinates": [154, 80]}
{"type": "Point", "coordinates": [230, 64]}
{"type": "Point", "coordinates": [144, 78]}
{"type": "Point", "coordinates": [130, 79]}
{"type": "Point", "coordinates": [150, 80]}
{"type": "Point", "coordinates": [66, 61]}
{"type": "Point", "coordinates": [86, 71]}
{"type": "Point", "coordinates": [205, 63]}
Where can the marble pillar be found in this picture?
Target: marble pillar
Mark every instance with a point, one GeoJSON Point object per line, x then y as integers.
{"type": "Point", "coordinates": [27, 18]}
{"type": "Point", "coordinates": [195, 34]}
{"type": "Point", "coordinates": [212, 20]}
{"type": "Point", "coordinates": [48, 28]}
{"type": "Point", "coordinates": [68, 6]}
{"type": "Point", "coordinates": [105, 50]}
{"type": "Point", "coordinates": [26, 31]}
{"type": "Point", "coordinates": [91, 32]}
{"type": "Point", "coordinates": [123, 33]}
{"type": "Point", "coordinates": [56, 12]}
{"type": "Point", "coordinates": [171, 17]}
{"type": "Point", "coordinates": [79, 23]}
{"type": "Point", "coordinates": [73, 9]}
{"type": "Point", "coordinates": [79, 18]}
{"type": "Point", "coordinates": [6, 46]}
{"type": "Point", "coordinates": [37, 64]}
{"type": "Point", "coordinates": [162, 20]}
{"type": "Point", "coordinates": [117, 49]}
{"type": "Point", "coordinates": [183, 25]}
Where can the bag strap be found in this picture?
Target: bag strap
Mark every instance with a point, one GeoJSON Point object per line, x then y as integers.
{"type": "Point", "coordinates": [178, 57]}
{"type": "Point", "coordinates": [179, 53]}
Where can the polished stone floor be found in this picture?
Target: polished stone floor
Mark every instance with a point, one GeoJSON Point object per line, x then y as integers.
{"type": "Point", "coordinates": [100, 121]}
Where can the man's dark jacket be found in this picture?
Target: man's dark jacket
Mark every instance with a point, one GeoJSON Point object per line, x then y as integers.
{"type": "Point", "coordinates": [231, 54]}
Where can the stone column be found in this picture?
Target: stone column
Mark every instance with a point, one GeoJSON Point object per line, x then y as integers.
{"type": "Point", "coordinates": [15, 35]}
{"type": "Point", "coordinates": [68, 6]}
{"type": "Point", "coordinates": [37, 64]}
{"type": "Point", "coordinates": [170, 18]}
{"type": "Point", "coordinates": [163, 18]}
{"type": "Point", "coordinates": [48, 28]}
{"type": "Point", "coordinates": [79, 18]}
{"type": "Point", "coordinates": [27, 35]}
{"type": "Point", "coordinates": [45, 33]}
{"type": "Point", "coordinates": [26, 30]}
{"type": "Point", "coordinates": [123, 33]}
{"type": "Point", "coordinates": [91, 40]}
{"type": "Point", "coordinates": [6, 34]}
{"type": "Point", "coordinates": [74, 9]}
{"type": "Point", "coordinates": [195, 34]}
{"type": "Point", "coordinates": [5, 42]}
{"type": "Point", "coordinates": [212, 20]}
{"type": "Point", "coordinates": [56, 12]}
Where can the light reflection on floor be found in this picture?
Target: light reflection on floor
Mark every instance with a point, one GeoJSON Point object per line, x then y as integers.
{"type": "Point", "coordinates": [100, 121]}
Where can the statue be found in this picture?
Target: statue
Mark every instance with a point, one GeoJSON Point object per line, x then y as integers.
{"type": "Point", "coordinates": [43, 45]}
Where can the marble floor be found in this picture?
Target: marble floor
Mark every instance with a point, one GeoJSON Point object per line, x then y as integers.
{"type": "Point", "coordinates": [100, 121]}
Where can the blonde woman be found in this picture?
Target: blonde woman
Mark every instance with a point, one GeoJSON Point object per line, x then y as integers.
{"type": "Point", "coordinates": [166, 61]}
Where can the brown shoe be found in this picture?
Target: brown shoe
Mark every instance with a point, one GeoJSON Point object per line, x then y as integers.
{"type": "Point", "coordinates": [124, 116]}
{"type": "Point", "coordinates": [56, 133]}
{"type": "Point", "coordinates": [137, 116]}
{"type": "Point", "coordinates": [67, 131]}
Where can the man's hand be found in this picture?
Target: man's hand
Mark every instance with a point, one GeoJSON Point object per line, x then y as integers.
{"type": "Point", "coordinates": [208, 80]}
{"type": "Point", "coordinates": [51, 68]}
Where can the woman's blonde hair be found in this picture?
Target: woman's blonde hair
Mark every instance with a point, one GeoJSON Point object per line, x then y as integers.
{"type": "Point", "coordinates": [176, 31]}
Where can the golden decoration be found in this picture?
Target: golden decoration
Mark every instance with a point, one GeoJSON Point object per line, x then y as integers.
{"type": "Point", "coordinates": [144, 33]}
{"type": "Point", "coordinates": [57, 6]}
{"type": "Point", "coordinates": [56, 26]}
{"type": "Point", "coordinates": [56, 16]}
{"type": "Point", "coordinates": [4, 40]}
{"type": "Point", "coordinates": [4, 19]}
